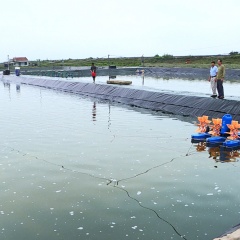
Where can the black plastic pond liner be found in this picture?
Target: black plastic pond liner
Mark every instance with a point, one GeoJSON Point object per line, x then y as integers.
{"type": "Point", "coordinates": [169, 103]}
{"type": "Point", "coordinates": [229, 232]}
{"type": "Point", "coordinates": [188, 73]}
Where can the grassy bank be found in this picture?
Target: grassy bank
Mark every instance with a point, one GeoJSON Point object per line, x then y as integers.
{"type": "Point", "coordinates": [230, 61]}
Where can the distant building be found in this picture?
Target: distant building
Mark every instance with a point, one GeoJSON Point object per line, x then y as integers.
{"type": "Point", "coordinates": [20, 61]}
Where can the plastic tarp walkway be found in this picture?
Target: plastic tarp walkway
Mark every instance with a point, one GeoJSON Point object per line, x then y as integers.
{"type": "Point", "coordinates": [165, 102]}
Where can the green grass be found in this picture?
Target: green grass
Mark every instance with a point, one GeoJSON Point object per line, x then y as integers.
{"type": "Point", "coordinates": [157, 61]}
{"type": "Point", "coordinates": [230, 61]}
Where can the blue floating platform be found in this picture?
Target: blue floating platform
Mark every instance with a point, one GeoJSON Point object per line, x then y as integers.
{"type": "Point", "coordinates": [200, 137]}
{"type": "Point", "coordinates": [215, 141]}
{"type": "Point", "coordinates": [232, 143]}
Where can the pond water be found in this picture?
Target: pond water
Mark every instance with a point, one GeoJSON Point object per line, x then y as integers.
{"type": "Point", "coordinates": [78, 168]}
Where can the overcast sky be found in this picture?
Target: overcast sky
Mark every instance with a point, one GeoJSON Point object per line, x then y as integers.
{"type": "Point", "coordinates": [62, 29]}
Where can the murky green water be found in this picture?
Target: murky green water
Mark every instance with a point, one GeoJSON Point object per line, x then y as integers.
{"type": "Point", "coordinates": [76, 168]}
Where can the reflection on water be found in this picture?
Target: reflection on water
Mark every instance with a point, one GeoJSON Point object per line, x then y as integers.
{"type": "Point", "coordinates": [201, 146]}
{"type": "Point", "coordinates": [109, 115]}
{"type": "Point", "coordinates": [18, 87]}
{"type": "Point", "coordinates": [79, 168]}
{"type": "Point", "coordinates": [219, 154]}
{"type": "Point", "coordinates": [6, 85]}
{"type": "Point", "coordinates": [223, 155]}
{"type": "Point", "coordinates": [143, 80]}
{"type": "Point", "coordinates": [94, 112]}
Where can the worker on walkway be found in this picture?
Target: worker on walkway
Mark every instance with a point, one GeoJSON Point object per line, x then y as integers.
{"type": "Point", "coordinates": [93, 72]}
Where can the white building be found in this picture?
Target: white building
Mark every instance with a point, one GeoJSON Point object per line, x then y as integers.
{"type": "Point", "coordinates": [20, 61]}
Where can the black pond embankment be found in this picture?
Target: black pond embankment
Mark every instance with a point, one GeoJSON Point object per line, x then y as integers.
{"type": "Point", "coordinates": [164, 72]}
{"type": "Point", "coordinates": [179, 104]}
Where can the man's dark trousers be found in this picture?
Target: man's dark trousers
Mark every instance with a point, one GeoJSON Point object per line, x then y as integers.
{"type": "Point", "coordinates": [220, 88]}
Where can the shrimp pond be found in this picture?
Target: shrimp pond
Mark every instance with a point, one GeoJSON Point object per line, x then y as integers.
{"type": "Point", "coordinates": [73, 167]}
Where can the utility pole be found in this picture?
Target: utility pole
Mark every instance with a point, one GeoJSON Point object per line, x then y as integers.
{"type": "Point", "coordinates": [8, 62]}
{"type": "Point", "coordinates": [142, 60]}
{"type": "Point", "coordinates": [108, 67]}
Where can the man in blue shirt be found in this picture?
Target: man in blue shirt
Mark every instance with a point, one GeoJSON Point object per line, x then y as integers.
{"type": "Point", "coordinates": [213, 78]}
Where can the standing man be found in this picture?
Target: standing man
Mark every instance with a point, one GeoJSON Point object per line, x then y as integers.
{"type": "Point", "coordinates": [93, 72]}
{"type": "Point", "coordinates": [213, 78]}
{"type": "Point", "coordinates": [220, 78]}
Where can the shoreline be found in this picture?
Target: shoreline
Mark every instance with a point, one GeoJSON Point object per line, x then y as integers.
{"type": "Point", "coordinates": [162, 72]}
